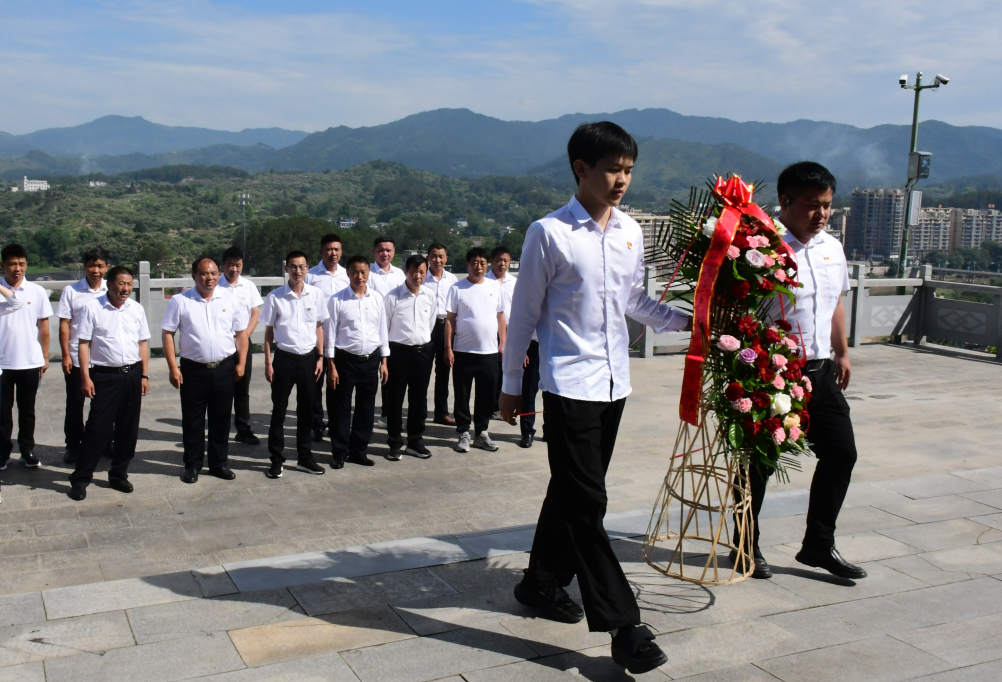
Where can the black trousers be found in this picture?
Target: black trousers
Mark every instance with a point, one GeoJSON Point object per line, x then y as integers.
{"type": "Point", "coordinates": [73, 421]}
{"type": "Point", "coordinates": [292, 370]}
{"type": "Point", "coordinates": [204, 391]}
{"type": "Point", "coordinates": [831, 438]}
{"type": "Point", "coordinates": [497, 387]}
{"type": "Point", "coordinates": [441, 371]}
{"type": "Point", "coordinates": [530, 386]}
{"type": "Point", "coordinates": [410, 371]}
{"type": "Point", "coordinates": [318, 400]}
{"type": "Point", "coordinates": [113, 411]}
{"type": "Point", "coordinates": [482, 367]}
{"type": "Point", "coordinates": [20, 385]}
{"type": "Point", "coordinates": [570, 536]}
{"type": "Point", "coordinates": [241, 397]}
{"type": "Point", "coordinates": [350, 432]}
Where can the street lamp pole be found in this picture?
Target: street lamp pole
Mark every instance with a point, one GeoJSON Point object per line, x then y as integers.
{"type": "Point", "coordinates": [244, 199]}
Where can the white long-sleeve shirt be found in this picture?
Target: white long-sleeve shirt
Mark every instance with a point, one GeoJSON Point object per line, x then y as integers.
{"type": "Point", "coordinates": [576, 283]}
{"type": "Point", "coordinates": [358, 324]}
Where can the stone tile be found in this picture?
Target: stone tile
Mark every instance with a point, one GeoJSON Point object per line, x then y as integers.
{"type": "Point", "coordinates": [189, 545]}
{"type": "Point", "coordinates": [477, 610]}
{"type": "Point", "coordinates": [935, 485]}
{"type": "Point", "coordinates": [36, 545]}
{"type": "Point", "coordinates": [26, 672]}
{"type": "Point", "coordinates": [204, 616]}
{"type": "Point", "coordinates": [851, 621]}
{"type": "Point", "coordinates": [21, 608]}
{"type": "Point", "coordinates": [917, 567]}
{"type": "Point", "coordinates": [78, 557]}
{"type": "Point", "coordinates": [134, 536]}
{"type": "Point", "coordinates": [993, 498]}
{"type": "Point", "coordinates": [129, 505]}
{"type": "Point", "coordinates": [861, 519]}
{"type": "Point", "coordinates": [430, 658]}
{"type": "Point", "coordinates": [975, 559]}
{"type": "Point", "coordinates": [741, 673]}
{"type": "Point", "coordinates": [726, 645]}
{"type": "Point", "coordinates": [986, 672]}
{"type": "Point", "coordinates": [932, 509]}
{"type": "Point", "coordinates": [785, 503]}
{"type": "Point", "coordinates": [344, 594]}
{"type": "Point", "coordinates": [869, 494]}
{"type": "Point", "coordinates": [870, 546]}
{"type": "Point", "coordinates": [170, 661]}
{"type": "Point", "coordinates": [944, 534]}
{"type": "Point", "coordinates": [991, 477]}
{"type": "Point", "coordinates": [147, 568]}
{"type": "Point", "coordinates": [85, 524]}
{"type": "Point", "coordinates": [547, 637]}
{"type": "Point", "coordinates": [268, 644]}
{"type": "Point", "coordinates": [66, 511]}
{"type": "Point", "coordinates": [963, 643]}
{"type": "Point", "coordinates": [10, 531]}
{"type": "Point", "coordinates": [214, 581]}
{"type": "Point", "coordinates": [49, 579]}
{"type": "Point", "coordinates": [593, 665]}
{"type": "Point", "coordinates": [956, 601]}
{"type": "Point", "coordinates": [819, 587]}
{"type": "Point", "coordinates": [498, 544]}
{"type": "Point", "coordinates": [329, 668]}
{"type": "Point", "coordinates": [233, 525]}
{"type": "Point", "coordinates": [120, 594]}
{"type": "Point", "coordinates": [68, 637]}
{"type": "Point", "coordinates": [991, 520]}
{"type": "Point", "coordinates": [487, 575]}
{"type": "Point", "coordinates": [299, 569]}
{"type": "Point", "coordinates": [785, 529]}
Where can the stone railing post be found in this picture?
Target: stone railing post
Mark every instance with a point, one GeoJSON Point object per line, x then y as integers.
{"type": "Point", "coordinates": [858, 274]}
{"type": "Point", "coordinates": [144, 286]}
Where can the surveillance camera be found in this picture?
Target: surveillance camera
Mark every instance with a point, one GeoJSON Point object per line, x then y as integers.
{"type": "Point", "coordinates": [941, 79]}
{"type": "Point", "coordinates": [903, 81]}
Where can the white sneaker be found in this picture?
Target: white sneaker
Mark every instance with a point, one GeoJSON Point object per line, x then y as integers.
{"type": "Point", "coordinates": [464, 442]}
{"type": "Point", "coordinates": [484, 442]}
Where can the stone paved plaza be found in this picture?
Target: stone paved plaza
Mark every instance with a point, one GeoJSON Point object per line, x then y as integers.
{"type": "Point", "coordinates": [403, 571]}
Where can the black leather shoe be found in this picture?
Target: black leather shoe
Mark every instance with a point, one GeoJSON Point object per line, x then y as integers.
{"type": "Point", "coordinates": [121, 485]}
{"type": "Point", "coordinates": [554, 602]}
{"type": "Point", "coordinates": [831, 561]}
{"type": "Point", "coordinates": [318, 435]}
{"type": "Point", "coordinates": [761, 570]}
{"type": "Point", "coordinates": [189, 476]}
{"type": "Point", "coordinates": [223, 473]}
{"type": "Point", "coordinates": [275, 470]}
{"type": "Point", "coordinates": [77, 492]}
{"type": "Point", "coordinates": [444, 421]}
{"type": "Point", "coordinates": [634, 648]}
{"type": "Point", "coordinates": [248, 438]}
{"type": "Point", "coordinates": [362, 461]}
{"type": "Point", "coordinates": [71, 455]}
{"type": "Point", "coordinates": [337, 463]}
{"type": "Point", "coordinates": [526, 441]}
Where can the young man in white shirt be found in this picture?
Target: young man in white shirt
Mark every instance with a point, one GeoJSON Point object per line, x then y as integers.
{"type": "Point", "coordinates": [500, 262]}
{"type": "Point", "coordinates": [411, 312]}
{"type": "Point", "coordinates": [330, 278]}
{"type": "Point", "coordinates": [440, 280]}
{"type": "Point", "coordinates": [294, 315]}
{"type": "Point", "coordinates": [474, 335]}
{"type": "Point", "coordinates": [212, 323]}
{"type": "Point", "coordinates": [805, 193]}
{"type": "Point", "coordinates": [24, 355]}
{"type": "Point", "coordinates": [114, 354]}
{"type": "Point", "coordinates": [247, 293]}
{"type": "Point", "coordinates": [72, 303]}
{"type": "Point", "coordinates": [356, 352]}
{"type": "Point", "coordinates": [384, 276]}
{"type": "Point", "coordinates": [581, 272]}
{"type": "Point", "coordinates": [8, 305]}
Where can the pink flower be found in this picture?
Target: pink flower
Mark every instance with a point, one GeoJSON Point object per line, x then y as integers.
{"type": "Point", "coordinates": [781, 259]}
{"type": "Point", "coordinates": [778, 436]}
{"type": "Point", "coordinates": [748, 356]}
{"type": "Point", "coordinates": [779, 382]}
{"type": "Point", "coordinates": [780, 275]}
{"type": "Point", "coordinates": [742, 404]}
{"type": "Point", "coordinates": [728, 343]}
{"type": "Point", "coordinates": [769, 261]}
{"type": "Point", "coordinates": [733, 252]}
{"type": "Point", "coordinates": [807, 384]}
{"type": "Point", "coordinates": [795, 433]}
{"type": "Point", "coordinates": [797, 392]}
{"type": "Point", "coordinates": [790, 342]}
{"type": "Point", "coordinates": [756, 241]}
{"type": "Point", "coordinates": [756, 259]}
{"type": "Point", "coordinates": [778, 361]}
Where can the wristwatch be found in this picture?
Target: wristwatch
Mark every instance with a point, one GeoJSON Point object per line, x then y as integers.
{"type": "Point", "coordinates": [145, 376]}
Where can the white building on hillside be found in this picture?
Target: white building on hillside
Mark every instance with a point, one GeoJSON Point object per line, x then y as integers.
{"type": "Point", "coordinates": [27, 185]}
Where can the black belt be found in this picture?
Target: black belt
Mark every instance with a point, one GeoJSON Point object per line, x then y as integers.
{"type": "Point", "coordinates": [359, 358]}
{"type": "Point", "coordinates": [101, 369]}
{"type": "Point", "coordinates": [210, 365]}
{"type": "Point", "coordinates": [407, 345]}
{"type": "Point", "coordinates": [279, 351]}
{"type": "Point", "coordinates": [814, 365]}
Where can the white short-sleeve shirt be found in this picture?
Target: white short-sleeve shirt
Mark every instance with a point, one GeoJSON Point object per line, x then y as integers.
{"type": "Point", "coordinates": [476, 307]}
{"type": "Point", "coordinates": [245, 290]}
{"type": "Point", "coordinates": [384, 282]}
{"type": "Point", "coordinates": [72, 303]}
{"type": "Point", "coordinates": [441, 288]}
{"type": "Point", "coordinates": [19, 347]}
{"type": "Point", "coordinates": [207, 327]}
{"type": "Point", "coordinates": [114, 333]}
{"type": "Point", "coordinates": [294, 318]}
{"type": "Point", "coordinates": [507, 289]}
{"type": "Point", "coordinates": [328, 282]}
{"type": "Point", "coordinates": [823, 271]}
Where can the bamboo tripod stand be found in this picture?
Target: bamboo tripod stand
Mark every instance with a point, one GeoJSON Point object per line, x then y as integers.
{"type": "Point", "coordinates": [705, 497]}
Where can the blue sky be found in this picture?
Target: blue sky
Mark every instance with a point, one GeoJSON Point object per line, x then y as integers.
{"type": "Point", "coordinates": [308, 65]}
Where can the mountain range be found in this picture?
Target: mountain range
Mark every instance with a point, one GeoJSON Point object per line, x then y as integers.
{"type": "Point", "coordinates": [460, 143]}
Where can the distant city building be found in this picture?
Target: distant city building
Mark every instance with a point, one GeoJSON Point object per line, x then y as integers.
{"type": "Point", "coordinates": [347, 223]}
{"type": "Point", "coordinates": [874, 224]}
{"type": "Point", "coordinates": [649, 223]}
{"type": "Point", "coordinates": [26, 185]}
{"type": "Point", "coordinates": [97, 183]}
{"type": "Point", "coordinates": [934, 231]}
{"type": "Point", "coordinates": [837, 223]}
{"type": "Point", "coordinates": [478, 241]}
{"type": "Point", "coordinates": [975, 226]}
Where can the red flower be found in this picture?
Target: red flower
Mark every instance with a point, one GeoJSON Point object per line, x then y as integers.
{"type": "Point", "coordinates": [740, 241]}
{"type": "Point", "coordinates": [740, 289]}
{"type": "Point", "coordinates": [772, 335]}
{"type": "Point", "coordinates": [734, 391]}
{"type": "Point", "coordinates": [751, 427]}
{"type": "Point", "coordinates": [805, 418]}
{"type": "Point", "coordinates": [748, 325]}
{"type": "Point", "coordinates": [763, 358]}
{"type": "Point", "coordinates": [771, 424]}
{"type": "Point", "coordinates": [767, 375]}
{"type": "Point", "coordinates": [760, 399]}
{"type": "Point", "coordinates": [792, 372]}
{"type": "Point", "coordinates": [784, 325]}
{"type": "Point", "coordinates": [765, 285]}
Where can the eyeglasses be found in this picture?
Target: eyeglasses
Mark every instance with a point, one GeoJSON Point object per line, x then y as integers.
{"type": "Point", "coordinates": [298, 268]}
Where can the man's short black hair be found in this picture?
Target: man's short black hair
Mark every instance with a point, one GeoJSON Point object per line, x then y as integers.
{"type": "Point", "coordinates": [383, 238]}
{"type": "Point", "coordinates": [296, 254]}
{"type": "Point", "coordinates": [233, 253]}
{"type": "Point", "coordinates": [328, 238]}
{"type": "Point", "coordinates": [415, 261]}
{"type": "Point", "coordinates": [198, 261]}
{"type": "Point", "coordinates": [477, 252]}
{"type": "Point", "coordinates": [97, 253]}
{"type": "Point", "coordinates": [436, 245]}
{"type": "Point", "coordinates": [114, 272]}
{"type": "Point", "coordinates": [356, 259]}
{"type": "Point", "coordinates": [500, 250]}
{"type": "Point", "coordinates": [594, 141]}
{"type": "Point", "coordinates": [13, 251]}
{"type": "Point", "coordinates": [803, 176]}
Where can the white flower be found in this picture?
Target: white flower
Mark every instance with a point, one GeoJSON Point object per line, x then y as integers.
{"type": "Point", "coordinates": [791, 272]}
{"type": "Point", "coordinates": [709, 226]}
{"type": "Point", "coordinates": [755, 258]}
{"type": "Point", "coordinates": [780, 227]}
{"type": "Point", "coordinates": [781, 404]}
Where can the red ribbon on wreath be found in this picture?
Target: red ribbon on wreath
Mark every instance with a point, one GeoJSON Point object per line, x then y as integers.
{"type": "Point", "coordinates": [737, 199]}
